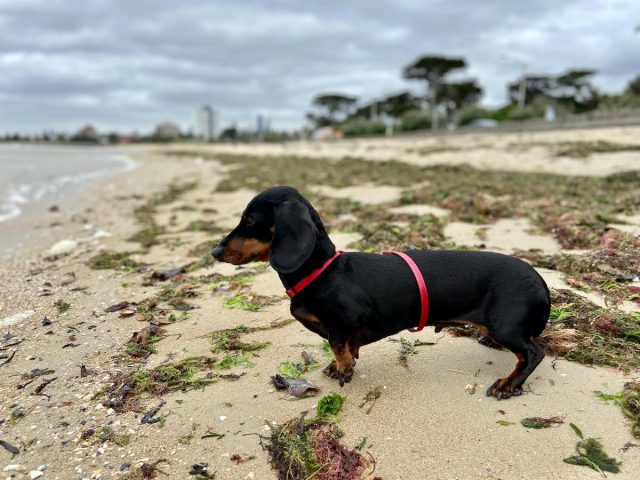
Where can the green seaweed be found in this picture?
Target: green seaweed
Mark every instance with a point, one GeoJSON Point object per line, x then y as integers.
{"type": "Point", "coordinates": [330, 405]}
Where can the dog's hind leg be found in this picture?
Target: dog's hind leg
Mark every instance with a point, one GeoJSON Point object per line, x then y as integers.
{"type": "Point", "coordinates": [529, 355]}
{"type": "Point", "coordinates": [517, 338]}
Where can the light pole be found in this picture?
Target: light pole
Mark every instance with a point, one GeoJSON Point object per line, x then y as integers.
{"type": "Point", "coordinates": [522, 87]}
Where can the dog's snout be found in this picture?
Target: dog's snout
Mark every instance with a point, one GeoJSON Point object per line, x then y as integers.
{"type": "Point", "coordinates": [217, 252]}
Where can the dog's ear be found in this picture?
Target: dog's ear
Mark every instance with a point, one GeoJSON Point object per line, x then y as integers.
{"type": "Point", "coordinates": [294, 237]}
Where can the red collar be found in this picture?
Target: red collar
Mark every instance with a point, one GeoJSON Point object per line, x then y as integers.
{"type": "Point", "coordinates": [422, 287]}
{"type": "Point", "coordinates": [306, 281]}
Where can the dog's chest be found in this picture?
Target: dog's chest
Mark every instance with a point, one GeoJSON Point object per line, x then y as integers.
{"type": "Point", "coordinates": [308, 319]}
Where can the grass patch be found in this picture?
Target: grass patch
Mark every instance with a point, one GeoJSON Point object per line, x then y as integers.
{"type": "Point", "coordinates": [62, 306]}
{"type": "Point", "coordinates": [370, 399]}
{"type": "Point", "coordinates": [147, 237]}
{"type": "Point", "coordinates": [608, 269]}
{"type": "Point", "coordinates": [109, 260]}
{"type": "Point", "coordinates": [590, 453]}
{"type": "Point", "coordinates": [107, 434]}
{"type": "Point", "coordinates": [538, 423]}
{"type": "Point", "coordinates": [249, 302]}
{"type": "Point", "coordinates": [188, 374]}
{"type": "Point", "coordinates": [304, 449]}
{"type": "Point", "coordinates": [583, 332]}
{"type": "Point", "coordinates": [629, 402]}
{"type": "Point", "coordinates": [586, 149]}
{"type": "Point", "coordinates": [144, 214]}
{"type": "Point", "coordinates": [421, 233]}
{"type": "Point", "coordinates": [330, 405]}
{"type": "Point", "coordinates": [228, 340]}
{"type": "Point", "coordinates": [574, 209]}
{"type": "Point", "coordinates": [203, 226]}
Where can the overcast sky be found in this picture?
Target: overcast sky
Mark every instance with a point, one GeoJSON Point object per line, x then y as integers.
{"type": "Point", "coordinates": [130, 64]}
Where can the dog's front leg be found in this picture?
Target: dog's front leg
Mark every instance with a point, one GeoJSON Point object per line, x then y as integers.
{"type": "Point", "coordinates": [342, 367]}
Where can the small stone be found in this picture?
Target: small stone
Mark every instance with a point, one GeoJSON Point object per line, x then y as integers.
{"type": "Point", "coordinates": [35, 474]}
{"type": "Point", "coordinates": [9, 468]}
{"type": "Point", "coordinates": [42, 467]}
{"type": "Point", "coordinates": [223, 418]}
{"type": "Point", "coordinates": [63, 247]}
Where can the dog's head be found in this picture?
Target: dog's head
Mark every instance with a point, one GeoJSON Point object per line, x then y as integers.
{"type": "Point", "coordinates": [279, 225]}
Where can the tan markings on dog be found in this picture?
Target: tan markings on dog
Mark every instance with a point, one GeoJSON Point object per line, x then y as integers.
{"type": "Point", "coordinates": [344, 360]}
{"type": "Point", "coordinates": [355, 351]}
{"type": "Point", "coordinates": [245, 248]}
{"type": "Point", "coordinates": [517, 370]}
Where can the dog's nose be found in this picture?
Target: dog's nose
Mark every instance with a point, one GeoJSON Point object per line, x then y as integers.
{"type": "Point", "coordinates": [217, 252]}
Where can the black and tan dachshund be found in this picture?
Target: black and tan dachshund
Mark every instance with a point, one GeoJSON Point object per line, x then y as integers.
{"type": "Point", "coordinates": [362, 297]}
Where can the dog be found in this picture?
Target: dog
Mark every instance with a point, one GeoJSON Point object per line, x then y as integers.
{"type": "Point", "coordinates": [360, 298]}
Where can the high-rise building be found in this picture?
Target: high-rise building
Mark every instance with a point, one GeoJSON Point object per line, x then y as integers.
{"type": "Point", "coordinates": [207, 124]}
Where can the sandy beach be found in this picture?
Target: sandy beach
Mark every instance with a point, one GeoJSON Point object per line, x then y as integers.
{"type": "Point", "coordinates": [431, 420]}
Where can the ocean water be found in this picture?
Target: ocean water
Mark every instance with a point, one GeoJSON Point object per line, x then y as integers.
{"type": "Point", "coordinates": [34, 173]}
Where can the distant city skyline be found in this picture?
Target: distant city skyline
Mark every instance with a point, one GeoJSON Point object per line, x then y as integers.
{"type": "Point", "coordinates": [125, 66]}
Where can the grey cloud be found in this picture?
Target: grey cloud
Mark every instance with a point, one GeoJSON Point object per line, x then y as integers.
{"type": "Point", "coordinates": [129, 64]}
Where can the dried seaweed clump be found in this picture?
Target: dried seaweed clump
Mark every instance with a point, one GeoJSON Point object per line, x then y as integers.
{"type": "Point", "coordinates": [302, 449]}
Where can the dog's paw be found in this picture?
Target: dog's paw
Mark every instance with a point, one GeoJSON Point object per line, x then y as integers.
{"type": "Point", "coordinates": [502, 390]}
{"type": "Point", "coordinates": [331, 370]}
{"type": "Point", "coordinates": [343, 376]}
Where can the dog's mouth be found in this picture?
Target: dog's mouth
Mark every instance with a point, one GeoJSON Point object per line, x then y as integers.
{"type": "Point", "coordinates": [236, 259]}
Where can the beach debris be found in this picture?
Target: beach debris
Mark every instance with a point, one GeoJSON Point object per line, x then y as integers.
{"type": "Point", "coordinates": [504, 423]}
{"type": "Point", "coordinates": [296, 387]}
{"type": "Point", "coordinates": [145, 470]}
{"type": "Point", "coordinates": [541, 422]}
{"type": "Point", "coordinates": [109, 260]}
{"type": "Point", "coordinates": [150, 416]}
{"type": "Point", "coordinates": [108, 434]}
{"type": "Point", "coordinates": [15, 318]}
{"type": "Point", "coordinates": [87, 434]}
{"type": "Point", "coordinates": [37, 372]}
{"type": "Point", "coordinates": [61, 249]}
{"type": "Point", "coordinates": [238, 459]}
{"type": "Point", "coordinates": [33, 474]}
{"type": "Point", "coordinates": [9, 358]}
{"type": "Point", "coordinates": [141, 344]}
{"type": "Point", "coordinates": [470, 388]}
{"type": "Point", "coordinates": [10, 448]}
{"type": "Point", "coordinates": [46, 322]}
{"type": "Point", "coordinates": [68, 278]}
{"type": "Point", "coordinates": [201, 470]}
{"type": "Point", "coordinates": [62, 306]}
{"type": "Point", "coordinates": [211, 434]}
{"type": "Point", "coordinates": [629, 401]}
{"type": "Point", "coordinates": [370, 399]}
{"type": "Point", "coordinates": [169, 272]}
{"type": "Point", "coordinates": [330, 405]}
{"type": "Point", "coordinates": [311, 449]}
{"type": "Point", "coordinates": [43, 385]}
{"type": "Point", "coordinates": [408, 348]}
{"type": "Point", "coordinates": [590, 453]}
{"type": "Point", "coordinates": [291, 369]}
{"type": "Point", "coordinates": [118, 306]}
{"type": "Point", "coordinates": [54, 208]}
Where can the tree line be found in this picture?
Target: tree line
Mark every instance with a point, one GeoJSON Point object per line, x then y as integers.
{"type": "Point", "coordinates": [446, 102]}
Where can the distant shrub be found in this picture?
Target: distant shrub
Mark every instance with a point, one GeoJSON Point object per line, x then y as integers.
{"type": "Point", "coordinates": [415, 120]}
{"type": "Point", "coordinates": [355, 128]}
{"type": "Point", "coordinates": [471, 113]}
{"type": "Point", "coordinates": [522, 113]}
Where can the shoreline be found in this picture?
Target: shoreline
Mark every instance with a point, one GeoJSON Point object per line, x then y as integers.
{"type": "Point", "coordinates": [37, 216]}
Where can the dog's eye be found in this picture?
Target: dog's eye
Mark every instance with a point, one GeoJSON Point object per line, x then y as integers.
{"type": "Point", "coordinates": [250, 222]}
